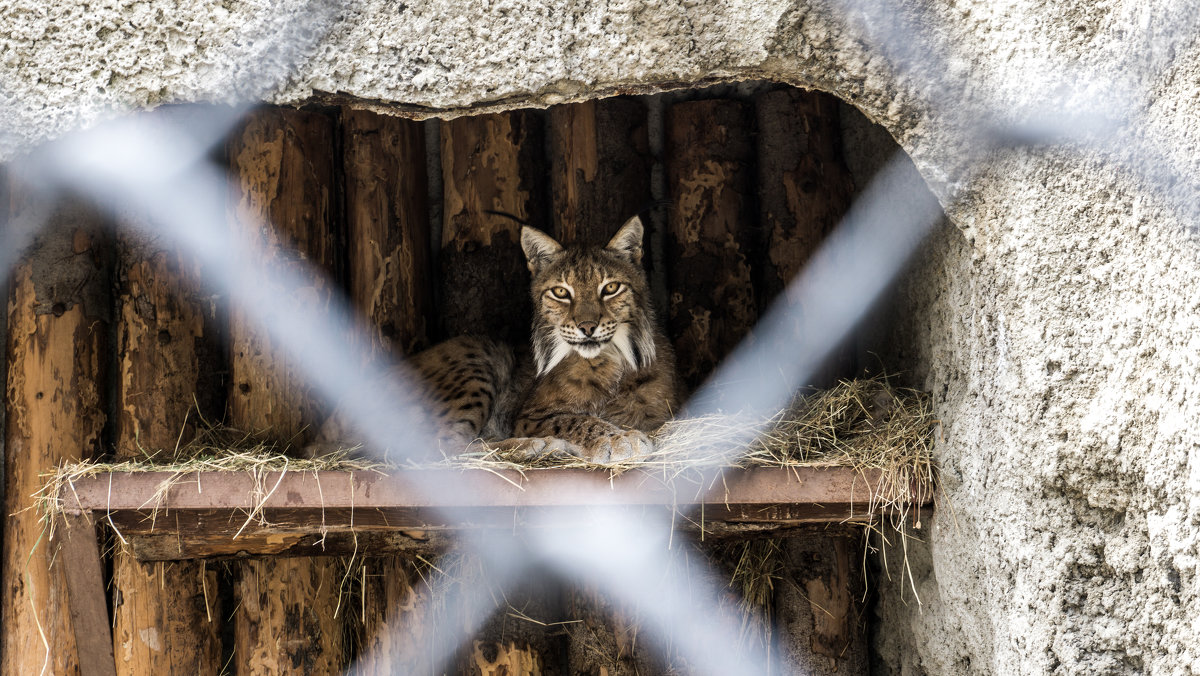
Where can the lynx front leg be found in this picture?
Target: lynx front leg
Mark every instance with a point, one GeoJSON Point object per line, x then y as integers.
{"type": "Point", "coordinates": [591, 438]}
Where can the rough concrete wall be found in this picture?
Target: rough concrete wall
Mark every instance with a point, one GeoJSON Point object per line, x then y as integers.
{"type": "Point", "coordinates": [1059, 339]}
{"type": "Point", "coordinates": [1057, 321]}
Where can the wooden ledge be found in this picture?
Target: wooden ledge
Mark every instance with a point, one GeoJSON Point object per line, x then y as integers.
{"type": "Point", "coordinates": [167, 516]}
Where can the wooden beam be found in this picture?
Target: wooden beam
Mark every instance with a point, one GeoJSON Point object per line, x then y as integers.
{"type": "Point", "coordinates": [57, 343]}
{"type": "Point", "coordinates": [804, 190]}
{"type": "Point", "coordinates": [215, 507]}
{"type": "Point", "coordinates": [285, 204]}
{"type": "Point", "coordinates": [387, 219]}
{"type": "Point", "coordinates": [818, 609]}
{"type": "Point", "coordinates": [490, 163]}
{"type": "Point", "coordinates": [80, 556]}
{"type": "Point", "coordinates": [599, 167]}
{"type": "Point", "coordinates": [711, 237]}
{"type": "Point", "coordinates": [387, 215]}
{"type": "Point", "coordinates": [166, 619]}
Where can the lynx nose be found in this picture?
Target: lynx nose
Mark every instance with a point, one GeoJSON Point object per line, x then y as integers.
{"type": "Point", "coordinates": [588, 328]}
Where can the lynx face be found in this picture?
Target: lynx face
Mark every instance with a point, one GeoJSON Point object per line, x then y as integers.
{"type": "Point", "coordinates": [590, 301]}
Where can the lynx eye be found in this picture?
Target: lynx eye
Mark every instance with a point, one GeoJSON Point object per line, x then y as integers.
{"type": "Point", "coordinates": [611, 288]}
{"type": "Point", "coordinates": [560, 292]}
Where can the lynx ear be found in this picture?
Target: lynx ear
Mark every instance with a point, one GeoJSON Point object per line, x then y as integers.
{"type": "Point", "coordinates": [538, 246]}
{"type": "Point", "coordinates": [628, 241]}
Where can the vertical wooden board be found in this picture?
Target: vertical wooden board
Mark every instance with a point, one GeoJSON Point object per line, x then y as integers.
{"type": "Point", "coordinates": [490, 163]}
{"type": "Point", "coordinates": [396, 616]}
{"type": "Point", "coordinates": [599, 167]}
{"type": "Point", "coordinates": [600, 176]}
{"type": "Point", "coordinates": [284, 206]}
{"type": "Point", "coordinates": [804, 186]}
{"type": "Point", "coordinates": [58, 318]}
{"type": "Point", "coordinates": [519, 639]}
{"type": "Point", "coordinates": [79, 553]}
{"type": "Point", "coordinates": [804, 190]}
{"type": "Point", "coordinates": [819, 616]}
{"type": "Point", "coordinates": [712, 233]}
{"type": "Point", "coordinates": [283, 165]}
{"type": "Point", "coordinates": [165, 617]}
{"type": "Point", "coordinates": [387, 222]}
{"type": "Point", "coordinates": [390, 285]}
{"type": "Point", "coordinates": [604, 637]}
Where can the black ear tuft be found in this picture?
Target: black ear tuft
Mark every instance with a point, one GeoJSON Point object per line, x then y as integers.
{"type": "Point", "coordinates": [628, 240]}
{"type": "Point", "coordinates": [538, 246]}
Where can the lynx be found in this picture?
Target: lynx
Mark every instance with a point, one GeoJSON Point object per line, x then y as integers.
{"type": "Point", "coordinates": [600, 374]}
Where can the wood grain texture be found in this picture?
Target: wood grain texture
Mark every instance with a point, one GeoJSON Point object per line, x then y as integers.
{"type": "Point", "coordinates": [519, 638]}
{"type": "Point", "coordinates": [804, 189]}
{"type": "Point", "coordinates": [58, 319]}
{"type": "Point", "coordinates": [284, 205]}
{"type": "Point", "coordinates": [489, 163]}
{"type": "Point", "coordinates": [712, 237]}
{"type": "Point", "coordinates": [387, 222]}
{"type": "Point", "coordinates": [284, 208]}
{"type": "Point", "coordinates": [323, 512]}
{"type": "Point", "coordinates": [80, 555]}
{"type": "Point", "coordinates": [599, 167]}
{"type": "Point", "coordinates": [817, 605]}
{"type": "Point", "coordinates": [390, 284]}
{"type": "Point", "coordinates": [604, 636]}
{"type": "Point", "coordinates": [165, 616]}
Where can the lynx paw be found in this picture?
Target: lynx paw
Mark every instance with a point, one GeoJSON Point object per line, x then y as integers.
{"type": "Point", "coordinates": [529, 449]}
{"type": "Point", "coordinates": [628, 445]}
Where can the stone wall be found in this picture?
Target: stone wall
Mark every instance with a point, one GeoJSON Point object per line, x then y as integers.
{"type": "Point", "coordinates": [1055, 319]}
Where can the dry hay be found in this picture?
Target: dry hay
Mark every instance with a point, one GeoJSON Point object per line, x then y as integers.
{"type": "Point", "coordinates": [865, 424]}
{"type": "Point", "coordinates": [213, 448]}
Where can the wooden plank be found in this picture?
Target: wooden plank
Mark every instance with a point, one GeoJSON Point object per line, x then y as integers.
{"type": "Point", "coordinates": [58, 318]}
{"type": "Point", "coordinates": [599, 167]}
{"type": "Point", "coordinates": [166, 619]}
{"type": "Point", "coordinates": [387, 219]}
{"type": "Point", "coordinates": [804, 189]}
{"type": "Point", "coordinates": [387, 214]}
{"type": "Point", "coordinates": [206, 514]}
{"type": "Point", "coordinates": [489, 163]}
{"type": "Point", "coordinates": [818, 609]}
{"type": "Point", "coordinates": [742, 491]}
{"type": "Point", "coordinates": [711, 237]}
{"type": "Point", "coordinates": [285, 204]}
{"type": "Point", "coordinates": [80, 556]}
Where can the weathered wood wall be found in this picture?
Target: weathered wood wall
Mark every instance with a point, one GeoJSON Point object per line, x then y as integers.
{"type": "Point", "coordinates": [166, 617]}
{"type": "Point", "coordinates": [390, 286]}
{"type": "Point", "coordinates": [56, 410]}
{"type": "Point", "coordinates": [753, 185]}
{"type": "Point", "coordinates": [286, 207]}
